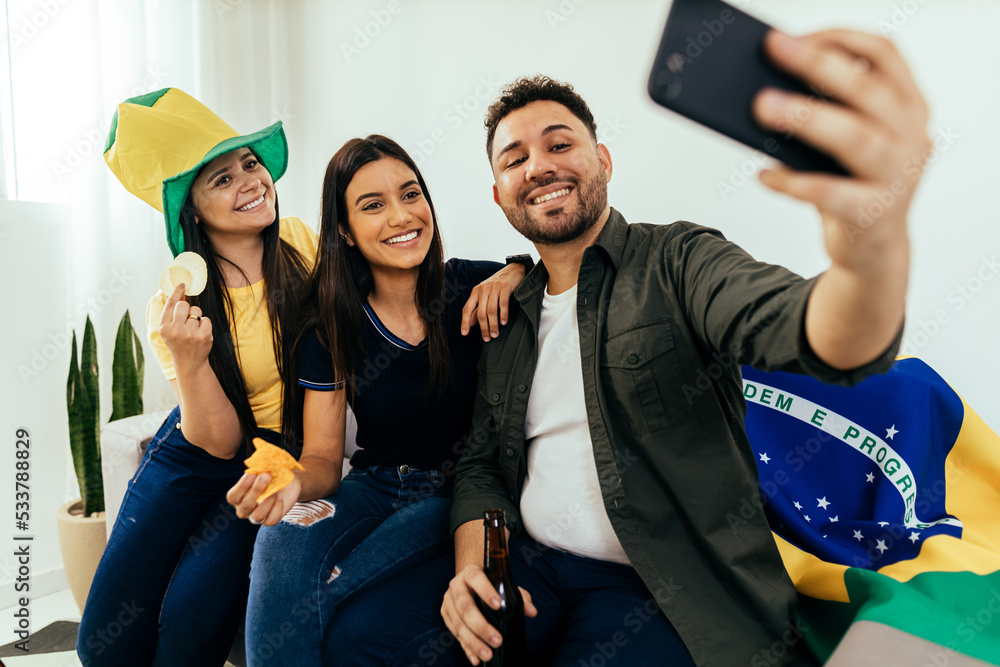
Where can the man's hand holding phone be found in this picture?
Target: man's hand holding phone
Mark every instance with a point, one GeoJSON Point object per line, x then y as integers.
{"type": "Point", "coordinates": [873, 123]}
{"type": "Point", "coordinates": [841, 110]}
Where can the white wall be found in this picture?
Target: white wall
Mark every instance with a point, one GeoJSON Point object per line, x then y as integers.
{"type": "Point", "coordinates": [35, 338]}
{"type": "Point", "coordinates": [424, 72]}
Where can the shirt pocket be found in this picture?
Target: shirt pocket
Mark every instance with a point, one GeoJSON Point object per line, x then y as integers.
{"type": "Point", "coordinates": [642, 375]}
{"type": "Point", "coordinates": [494, 392]}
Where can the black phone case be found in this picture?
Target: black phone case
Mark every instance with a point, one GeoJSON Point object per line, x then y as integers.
{"type": "Point", "coordinates": [710, 66]}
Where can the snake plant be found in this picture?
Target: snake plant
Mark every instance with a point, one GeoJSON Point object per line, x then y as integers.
{"type": "Point", "coordinates": [83, 404]}
{"type": "Point", "coordinates": [126, 372]}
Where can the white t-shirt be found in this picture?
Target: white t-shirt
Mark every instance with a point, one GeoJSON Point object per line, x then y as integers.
{"type": "Point", "coordinates": [561, 502]}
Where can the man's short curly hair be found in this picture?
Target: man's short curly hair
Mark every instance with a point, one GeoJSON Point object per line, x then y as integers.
{"type": "Point", "coordinates": [526, 90]}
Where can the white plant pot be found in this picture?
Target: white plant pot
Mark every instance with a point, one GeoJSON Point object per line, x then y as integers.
{"type": "Point", "coordinates": [81, 540]}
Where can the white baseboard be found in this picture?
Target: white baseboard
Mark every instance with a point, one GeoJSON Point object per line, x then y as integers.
{"type": "Point", "coordinates": [42, 583]}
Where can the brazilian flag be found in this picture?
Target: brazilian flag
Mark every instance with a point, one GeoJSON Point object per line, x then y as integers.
{"type": "Point", "coordinates": [884, 501]}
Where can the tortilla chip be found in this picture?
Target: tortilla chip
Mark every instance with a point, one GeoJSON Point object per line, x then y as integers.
{"type": "Point", "coordinates": [276, 462]}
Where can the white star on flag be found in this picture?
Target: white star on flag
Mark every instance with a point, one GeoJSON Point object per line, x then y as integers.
{"type": "Point", "coordinates": [835, 519]}
{"type": "Point", "coordinates": [891, 431]}
{"type": "Point", "coordinates": [870, 478]}
{"type": "Point", "coordinates": [807, 518]}
{"type": "Point", "coordinates": [881, 547]}
{"type": "Point", "coordinates": [913, 537]}
{"type": "Point", "coordinates": [883, 523]}
{"type": "Point", "coordinates": [822, 502]}
{"type": "Point", "coordinates": [765, 458]}
{"type": "Point", "coordinates": [858, 536]}
{"type": "Point", "coordinates": [797, 505]}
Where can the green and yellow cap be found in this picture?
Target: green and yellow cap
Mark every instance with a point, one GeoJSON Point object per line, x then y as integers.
{"type": "Point", "coordinates": [159, 141]}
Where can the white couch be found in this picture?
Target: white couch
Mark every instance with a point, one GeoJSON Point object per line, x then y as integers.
{"type": "Point", "coordinates": [124, 442]}
{"type": "Point", "coordinates": [866, 644]}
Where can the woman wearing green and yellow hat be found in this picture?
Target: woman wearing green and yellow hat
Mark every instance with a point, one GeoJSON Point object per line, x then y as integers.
{"type": "Point", "coordinates": [178, 557]}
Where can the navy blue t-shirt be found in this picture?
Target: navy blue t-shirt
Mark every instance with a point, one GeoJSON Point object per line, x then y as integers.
{"type": "Point", "coordinates": [399, 420]}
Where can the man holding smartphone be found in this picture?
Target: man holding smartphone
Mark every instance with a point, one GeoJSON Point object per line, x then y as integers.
{"type": "Point", "coordinates": [592, 418]}
{"type": "Point", "coordinates": [616, 474]}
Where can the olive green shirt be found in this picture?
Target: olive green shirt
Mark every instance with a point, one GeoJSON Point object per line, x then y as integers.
{"type": "Point", "coordinates": [667, 314]}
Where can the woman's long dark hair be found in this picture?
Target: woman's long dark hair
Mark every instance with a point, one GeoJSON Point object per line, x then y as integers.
{"type": "Point", "coordinates": [285, 273]}
{"type": "Point", "coordinates": [342, 279]}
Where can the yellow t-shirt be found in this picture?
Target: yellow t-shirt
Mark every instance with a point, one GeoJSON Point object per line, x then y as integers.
{"type": "Point", "coordinates": [251, 331]}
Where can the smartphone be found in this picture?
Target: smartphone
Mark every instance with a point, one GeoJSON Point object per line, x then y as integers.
{"type": "Point", "coordinates": [710, 66]}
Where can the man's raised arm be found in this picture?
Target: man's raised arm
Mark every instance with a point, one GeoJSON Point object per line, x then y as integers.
{"type": "Point", "coordinates": [874, 123]}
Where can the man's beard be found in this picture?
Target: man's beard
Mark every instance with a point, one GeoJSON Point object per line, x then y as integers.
{"type": "Point", "coordinates": [561, 226]}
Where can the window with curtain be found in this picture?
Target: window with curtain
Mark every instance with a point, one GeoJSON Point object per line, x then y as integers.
{"type": "Point", "coordinates": [64, 68]}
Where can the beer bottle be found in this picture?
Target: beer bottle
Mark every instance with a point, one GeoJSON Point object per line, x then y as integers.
{"type": "Point", "coordinates": [509, 619]}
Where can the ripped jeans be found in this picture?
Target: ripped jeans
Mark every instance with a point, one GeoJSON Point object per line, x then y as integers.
{"type": "Point", "coordinates": [380, 521]}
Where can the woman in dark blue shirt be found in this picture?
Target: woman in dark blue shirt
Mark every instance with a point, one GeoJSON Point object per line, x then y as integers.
{"type": "Point", "coordinates": [385, 338]}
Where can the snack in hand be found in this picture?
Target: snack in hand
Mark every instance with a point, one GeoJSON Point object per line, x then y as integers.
{"type": "Point", "coordinates": [276, 462]}
{"type": "Point", "coordinates": [188, 268]}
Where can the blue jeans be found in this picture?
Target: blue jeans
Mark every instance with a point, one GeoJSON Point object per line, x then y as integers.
{"type": "Point", "coordinates": [171, 586]}
{"type": "Point", "coordinates": [590, 613]}
{"type": "Point", "coordinates": [380, 521]}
